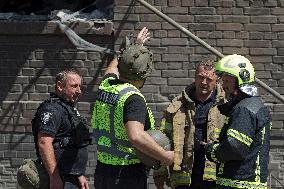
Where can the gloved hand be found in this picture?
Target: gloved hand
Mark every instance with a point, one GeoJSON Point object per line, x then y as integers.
{"type": "Point", "coordinates": [210, 149]}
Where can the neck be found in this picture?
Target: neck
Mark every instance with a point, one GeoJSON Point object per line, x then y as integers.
{"type": "Point", "coordinates": [138, 84]}
{"type": "Point", "coordinates": [203, 97]}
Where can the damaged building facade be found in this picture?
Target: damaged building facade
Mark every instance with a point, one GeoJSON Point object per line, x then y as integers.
{"type": "Point", "coordinates": [34, 47]}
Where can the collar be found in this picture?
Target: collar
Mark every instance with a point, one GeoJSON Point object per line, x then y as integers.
{"type": "Point", "coordinates": [56, 96]}
{"type": "Point", "coordinates": [233, 100]}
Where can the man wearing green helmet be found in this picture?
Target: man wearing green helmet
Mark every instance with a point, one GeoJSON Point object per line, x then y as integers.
{"type": "Point", "coordinates": [243, 148]}
{"type": "Point", "coordinates": [120, 120]}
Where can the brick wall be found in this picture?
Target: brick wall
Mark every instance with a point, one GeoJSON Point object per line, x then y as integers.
{"type": "Point", "coordinates": [33, 52]}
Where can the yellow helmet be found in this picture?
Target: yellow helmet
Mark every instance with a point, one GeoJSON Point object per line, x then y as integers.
{"type": "Point", "coordinates": [237, 66]}
{"type": "Point", "coordinates": [241, 68]}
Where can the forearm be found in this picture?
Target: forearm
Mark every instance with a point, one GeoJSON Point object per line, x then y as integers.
{"type": "Point", "coordinates": [147, 145]}
{"type": "Point", "coordinates": [143, 141]}
{"type": "Point", "coordinates": [47, 155]}
{"type": "Point", "coordinates": [112, 67]}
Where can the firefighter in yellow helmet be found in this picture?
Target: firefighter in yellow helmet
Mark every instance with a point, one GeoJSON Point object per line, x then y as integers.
{"type": "Point", "coordinates": [243, 148]}
{"type": "Point", "coordinates": [120, 120]}
{"type": "Point", "coordinates": [193, 117]}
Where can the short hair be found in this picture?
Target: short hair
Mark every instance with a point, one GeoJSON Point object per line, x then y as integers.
{"type": "Point", "coordinates": [62, 75]}
{"type": "Point", "coordinates": [207, 65]}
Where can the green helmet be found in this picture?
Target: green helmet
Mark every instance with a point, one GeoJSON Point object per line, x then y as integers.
{"type": "Point", "coordinates": [135, 62]}
{"type": "Point", "coordinates": [32, 175]}
{"type": "Point", "coordinates": [161, 139]}
{"type": "Point", "coordinates": [241, 68]}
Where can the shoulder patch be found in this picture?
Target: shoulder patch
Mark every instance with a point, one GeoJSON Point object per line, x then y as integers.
{"type": "Point", "coordinates": [45, 117]}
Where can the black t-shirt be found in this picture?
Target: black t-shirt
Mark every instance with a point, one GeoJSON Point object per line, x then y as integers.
{"type": "Point", "coordinates": [134, 107]}
{"type": "Point", "coordinates": [53, 119]}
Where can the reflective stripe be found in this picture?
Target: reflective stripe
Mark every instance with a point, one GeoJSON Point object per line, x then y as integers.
{"type": "Point", "coordinates": [240, 137]}
{"type": "Point", "coordinates": [240, 184]}
{"type": "Point", "coordinates": [257, 170]}
{"type": "Point", "coordinates": [213, 156]}
{"type": "Point", "coordinates": [216, 133]}
{"type": "Point", "coordinates": [221, 169]}
{"type": "Point", "coordinates": [226, 120]}
{"type": "Point", "coordinates": [209, 174]}
{"type": "Point", "coordinates": [178, 178]}
{"type": "Point", "coordinates": [106, 158]}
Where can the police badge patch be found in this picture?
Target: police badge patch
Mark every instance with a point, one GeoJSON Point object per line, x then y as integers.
{"type": "Point", "coordinates": [45, 117]}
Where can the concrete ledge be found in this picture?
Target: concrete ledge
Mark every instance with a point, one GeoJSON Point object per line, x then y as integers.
{"type": "Point", "coordinates": [51, 27]}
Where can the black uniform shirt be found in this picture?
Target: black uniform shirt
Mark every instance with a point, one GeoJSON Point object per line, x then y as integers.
{"type": "Point", "coordinates": [53, 119]}
{"type": "Point", "coordinates": [200, 119]}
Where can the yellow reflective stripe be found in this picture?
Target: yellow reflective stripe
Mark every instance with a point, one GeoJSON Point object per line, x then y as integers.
{"type": "Point", "coordinates": [226, 120]}
{"type": "Point", "coordinates": [240, 184]}
{"type": "Point", "coordinates": [114, 160]}
{"type": "Point", "coordinates": [240, 137]}
{"type": "Point", "coordinates": [257, 170]}
{"type": "Point", "coordinates": [209, 177]}
{"type": "Point", "coordinates": [214, 147]}
{"type": "Point", "coordinates": [270, 126]}
{"type": "Point", "coordinates": [209, 174]}
{"type": "Point", "coordinates": [263, 134]}
{"type": "Point", "coordinates": [180, 178]}
{"type": "Point", "coordinates": [216, 133]}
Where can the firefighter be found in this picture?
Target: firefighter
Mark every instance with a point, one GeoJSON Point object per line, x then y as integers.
{"type": "Point", "coordinates": [243, 148]}
{"type": "Point", "coordinates": [193, 117]}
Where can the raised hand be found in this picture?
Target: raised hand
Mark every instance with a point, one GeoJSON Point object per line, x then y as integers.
{"type": "Point", "coordinates": [143, 36]}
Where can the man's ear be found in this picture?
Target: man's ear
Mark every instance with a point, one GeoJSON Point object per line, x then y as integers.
{"type": "Point", "coordinates": [60, 86]}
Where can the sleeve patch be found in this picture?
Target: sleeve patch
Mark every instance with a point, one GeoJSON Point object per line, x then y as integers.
{"type": "Point", "coordinates": [45, 117]}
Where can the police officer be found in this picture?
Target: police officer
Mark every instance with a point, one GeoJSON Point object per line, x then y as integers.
{"type": "Point", "coordinates": [120, 120]}
{"type": "Point", "coordinates": [193, 117]}
{"type": "Point", "coordinates": [61, 134]}
{"type": "Point", "coordinates": [243, 149]}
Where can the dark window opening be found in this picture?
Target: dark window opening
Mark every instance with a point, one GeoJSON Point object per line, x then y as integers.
{"type": "Point", "coordinates": [95, 9]}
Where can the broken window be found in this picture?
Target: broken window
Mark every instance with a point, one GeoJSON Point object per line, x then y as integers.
{"type": "Point", "coordinates": [86, 9]}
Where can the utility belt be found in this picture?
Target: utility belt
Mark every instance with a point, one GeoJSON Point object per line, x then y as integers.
{"type": "Point", "coordinates": [67, 142]}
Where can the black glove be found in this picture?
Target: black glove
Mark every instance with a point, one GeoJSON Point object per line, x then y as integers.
{"type": "Point", "coordinates": [210, 150]}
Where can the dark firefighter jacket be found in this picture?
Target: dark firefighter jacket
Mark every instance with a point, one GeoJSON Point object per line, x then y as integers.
{"type": "Point", "coordinates": [243, 148]}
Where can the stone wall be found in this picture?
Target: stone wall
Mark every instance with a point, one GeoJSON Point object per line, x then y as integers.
{"type": "Point", "coordinates": [33, 52]}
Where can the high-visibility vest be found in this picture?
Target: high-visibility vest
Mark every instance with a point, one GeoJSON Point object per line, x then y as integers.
{"type": "Point", "coordinates": [113, 146]}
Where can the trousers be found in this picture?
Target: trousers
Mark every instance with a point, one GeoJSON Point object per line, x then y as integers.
{"type": "Point", "coordinates": [102, 182]}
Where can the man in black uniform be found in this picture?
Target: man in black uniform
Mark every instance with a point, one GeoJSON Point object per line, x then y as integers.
{"type": "Point", "coordinates": [61, 135]}
{"type": "Point", "coordinates": [243, 148]}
